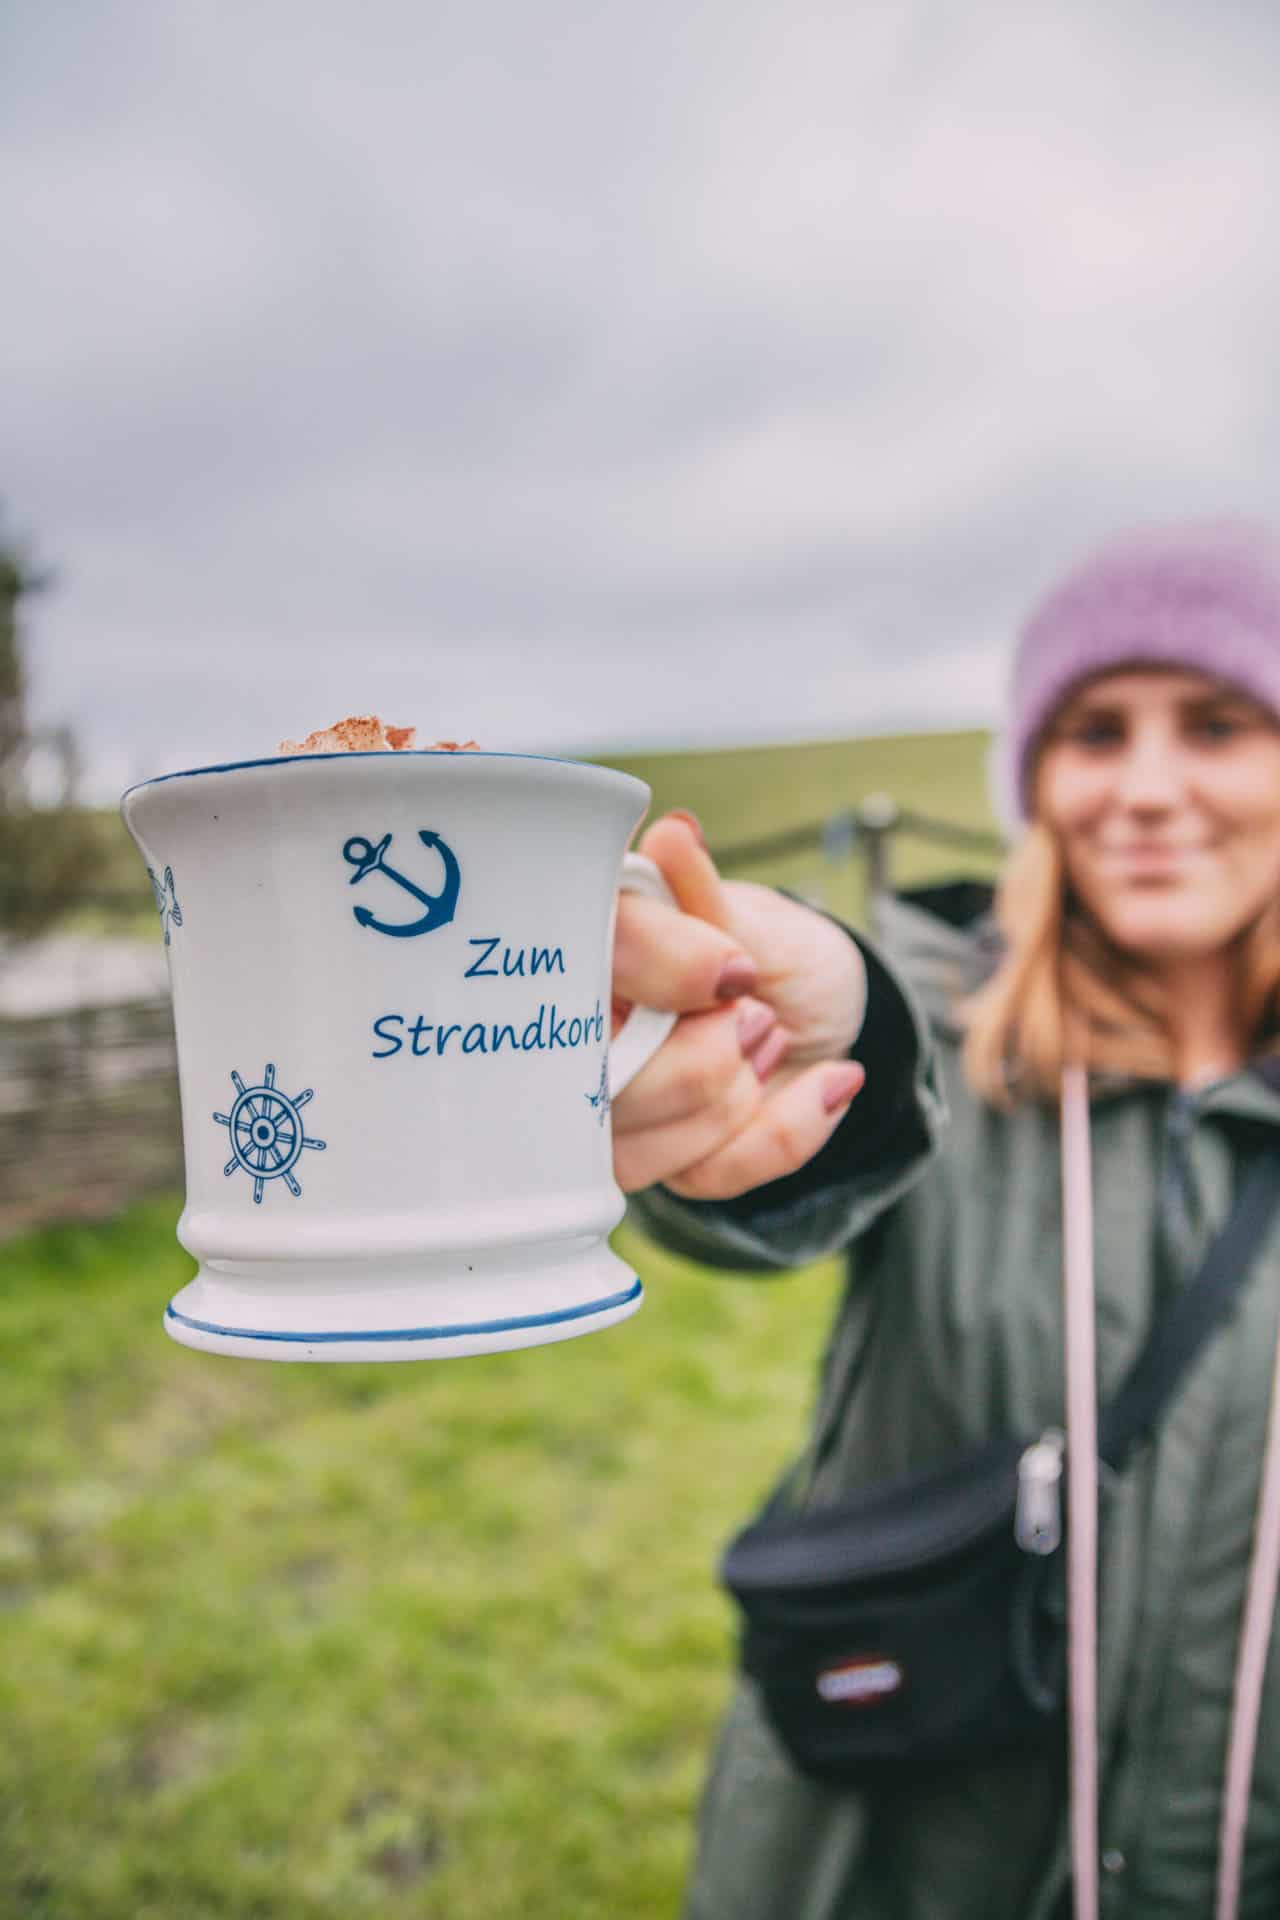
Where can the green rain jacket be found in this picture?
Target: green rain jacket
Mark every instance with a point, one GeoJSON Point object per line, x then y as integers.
{"type": "Point", "coordinates": [950, 1330]}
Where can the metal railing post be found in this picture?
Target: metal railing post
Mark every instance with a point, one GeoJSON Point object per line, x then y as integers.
{"type": "Point", "coordinates": [878, 819]}
{"type": "Point", "coordinates": [840, 851]}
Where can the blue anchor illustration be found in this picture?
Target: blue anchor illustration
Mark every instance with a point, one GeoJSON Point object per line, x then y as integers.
{"type": "Point", "coordinates": [367, 858]}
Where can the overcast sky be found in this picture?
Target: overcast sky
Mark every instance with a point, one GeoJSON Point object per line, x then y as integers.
{"type": "Point", "coordinates": [584, 376]}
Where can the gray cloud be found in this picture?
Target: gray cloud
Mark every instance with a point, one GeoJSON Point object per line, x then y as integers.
{"type": "Point", "coordinates": [587, 376]}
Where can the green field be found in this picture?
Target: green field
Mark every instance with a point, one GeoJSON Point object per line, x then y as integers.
{"type": "Point", "coordinates": [741, 793]}
{"type": "Point", "coordinates": [431, 1640]}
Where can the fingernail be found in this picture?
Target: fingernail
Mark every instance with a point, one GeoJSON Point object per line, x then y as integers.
{"type": "Point", "coordinates": [690, 820]}
{"type": "Point", "coordinates": [737, 976]}
{"type": "Point", "coordinates": [771, 1053]}
{"type": "Point", "coordinates": [840, 1086]}
{"type": "Point", "coordinates": [753, 1024]}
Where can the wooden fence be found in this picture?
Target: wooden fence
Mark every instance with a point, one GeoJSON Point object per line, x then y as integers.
{"type": "Point", "coordinates": [89, 1114]}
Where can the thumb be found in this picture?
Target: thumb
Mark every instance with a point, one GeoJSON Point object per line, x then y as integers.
{"type": "Point", "coordinates": [677, 846]}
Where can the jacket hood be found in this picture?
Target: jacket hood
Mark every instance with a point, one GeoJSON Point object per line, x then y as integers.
{"type": "Point", "coordinates": [945, 940]}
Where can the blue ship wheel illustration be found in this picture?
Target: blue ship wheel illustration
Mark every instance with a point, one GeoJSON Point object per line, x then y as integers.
{"type": "Point", "coordinates": [266, 1133]}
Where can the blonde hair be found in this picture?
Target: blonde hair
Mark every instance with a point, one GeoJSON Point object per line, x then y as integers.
{"type": "Point", "coordinates": [1062, 991]}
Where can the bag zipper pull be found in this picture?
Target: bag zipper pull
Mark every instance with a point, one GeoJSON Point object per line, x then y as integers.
{"type": "Point", "coordinates": [1037, 1514]}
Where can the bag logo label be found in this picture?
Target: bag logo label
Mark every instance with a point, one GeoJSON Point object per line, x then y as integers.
{"type": "Point", "coordinates": [860, 1683]}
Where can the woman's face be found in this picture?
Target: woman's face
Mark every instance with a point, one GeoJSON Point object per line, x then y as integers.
{"type": "Point", "coordinates": [1163, 788]}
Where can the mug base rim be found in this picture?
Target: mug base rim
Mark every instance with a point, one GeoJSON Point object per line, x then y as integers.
{"type": "Point", "coordinates": [430, 1320]}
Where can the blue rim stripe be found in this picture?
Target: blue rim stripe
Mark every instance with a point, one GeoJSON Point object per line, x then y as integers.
{"type": "Point", "coordinates": [403, 753]}
{"type": "Point", "coordinates": [421, 1333]}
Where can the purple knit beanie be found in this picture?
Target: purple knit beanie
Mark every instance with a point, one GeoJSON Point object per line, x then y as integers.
{"type": "Point", "coordinates": [1204, 595]}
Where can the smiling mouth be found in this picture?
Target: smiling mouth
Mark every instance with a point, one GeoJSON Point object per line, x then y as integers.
{"type": "Point", "coordinates": [1152, 869]}
{"type": "Point", "coordinates": [1163, 854]}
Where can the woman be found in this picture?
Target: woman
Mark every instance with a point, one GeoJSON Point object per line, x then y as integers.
{"type": "Point", "coordinates": [1137, 927]}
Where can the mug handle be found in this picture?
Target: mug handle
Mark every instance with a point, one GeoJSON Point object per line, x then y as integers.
{"type": "Point", "coordinates": [645, 1028]}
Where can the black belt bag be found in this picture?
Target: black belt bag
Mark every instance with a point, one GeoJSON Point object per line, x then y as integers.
{"type": "Point", "coordinates": [921, 1622]}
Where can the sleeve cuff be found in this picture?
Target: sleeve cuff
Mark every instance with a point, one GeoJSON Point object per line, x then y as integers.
{"type": "Point", "coordinates": [879, 1149]}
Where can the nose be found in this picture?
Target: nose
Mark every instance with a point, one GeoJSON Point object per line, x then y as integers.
{"type": "Point", "coordinates": [1150, 777]}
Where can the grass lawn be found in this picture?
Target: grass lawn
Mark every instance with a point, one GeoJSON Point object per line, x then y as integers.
{"type": "Point", "coordinates": [429, 1639]}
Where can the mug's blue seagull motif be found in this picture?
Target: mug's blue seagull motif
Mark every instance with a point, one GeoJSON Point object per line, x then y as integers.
{"type": "Point", "coordinates": [600, 1098]}
{"type": "Point", "coordinates": [367, 858]}
{"type": "Point", "coordinates": [166, 900]}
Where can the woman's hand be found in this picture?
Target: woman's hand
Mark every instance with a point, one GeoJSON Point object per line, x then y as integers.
{"type": "Point", "coordinates": [753, 1078]}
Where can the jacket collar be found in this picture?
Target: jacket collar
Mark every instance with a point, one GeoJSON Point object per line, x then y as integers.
{"type": "Point", "coordinates": [948, 940]}
{"type": "Point", "coordinates": [1251, 1094]}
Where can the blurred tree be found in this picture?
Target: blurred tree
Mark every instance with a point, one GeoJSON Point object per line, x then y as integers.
{"type": "Point", "coordinates": [13, 584]}
{"type": "Point", "coordinates": [46, 853]}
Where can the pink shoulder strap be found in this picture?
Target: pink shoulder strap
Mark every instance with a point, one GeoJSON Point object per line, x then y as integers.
{"type": "Point", "coordinates": [1082, 1552]}
{"type": "Point", "coordinates": [1082, 1482]}
{"type": "Point", "coordinates": [1251, 1664]}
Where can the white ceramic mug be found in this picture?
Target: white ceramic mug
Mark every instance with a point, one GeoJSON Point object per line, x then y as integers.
{"type": "Point", "coordinates": [391, 991]}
